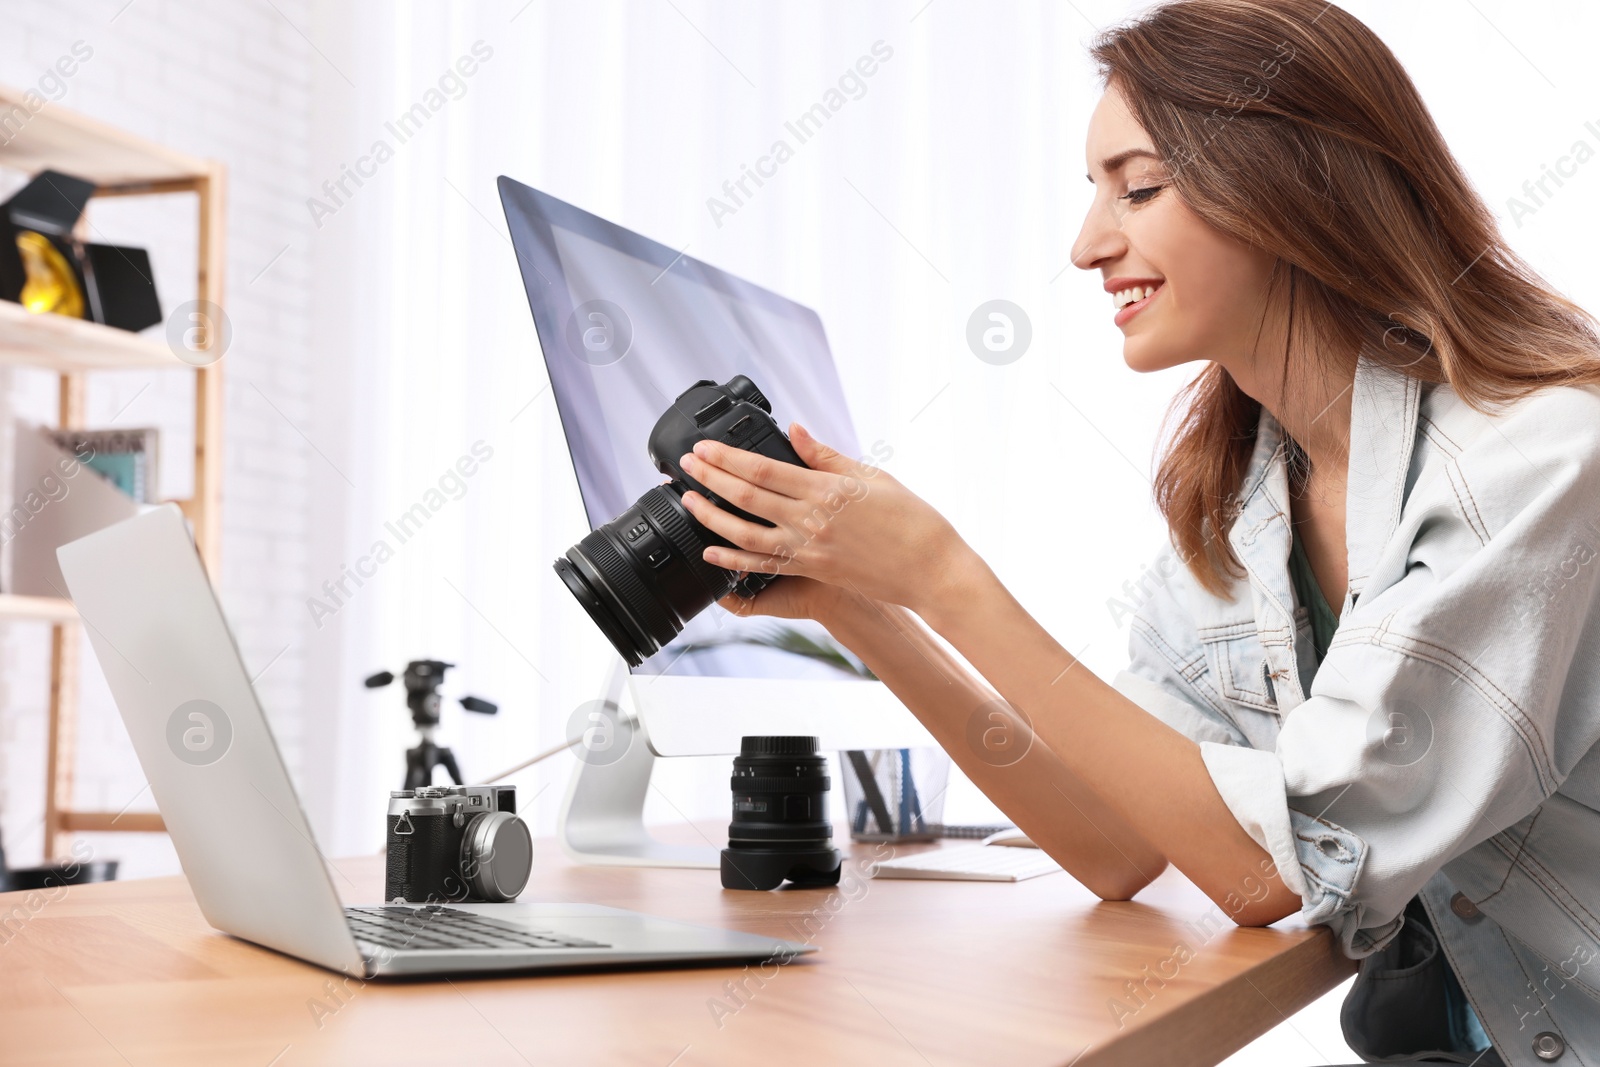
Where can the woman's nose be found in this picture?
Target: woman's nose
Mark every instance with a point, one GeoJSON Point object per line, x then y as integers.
{"type": "Point", "coordinates": [1101, 237]}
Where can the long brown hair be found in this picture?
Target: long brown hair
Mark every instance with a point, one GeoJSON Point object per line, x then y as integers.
{"type": "Point", "coordinates": [1288, 125]}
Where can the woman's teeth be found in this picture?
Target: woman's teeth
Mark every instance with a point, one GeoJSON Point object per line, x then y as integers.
{"type": "Point", "coordinates": [1127, 296]}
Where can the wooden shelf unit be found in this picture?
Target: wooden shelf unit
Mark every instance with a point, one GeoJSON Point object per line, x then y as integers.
{"type": "Point", "coordinates": [45, 608]}
{"type": "Point", "coordinates": [120, 164]}
{"type": "Point", "coordinates": [69, 346]}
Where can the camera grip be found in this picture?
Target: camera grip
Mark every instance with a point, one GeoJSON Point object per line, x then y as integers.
{"type": "Point", "coordinates": [421, 865]}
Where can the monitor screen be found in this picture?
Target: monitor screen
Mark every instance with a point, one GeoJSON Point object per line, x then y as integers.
{"type": "Point", "coordinates": [627, 324]}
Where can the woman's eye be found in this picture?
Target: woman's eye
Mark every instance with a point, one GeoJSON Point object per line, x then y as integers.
{"type": "Point", "coordinates": [1142, 196]}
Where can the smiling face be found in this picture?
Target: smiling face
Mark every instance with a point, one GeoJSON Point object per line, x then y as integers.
{"type": "Point", "coordinates": [1209, 288]}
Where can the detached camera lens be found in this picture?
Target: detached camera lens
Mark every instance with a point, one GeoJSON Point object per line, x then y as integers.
{"type": "Point", "coordinates": [780, 830]}
{"type": "Point", "coordinates": [641, 576]}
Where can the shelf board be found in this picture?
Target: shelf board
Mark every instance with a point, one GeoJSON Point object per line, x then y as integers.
{"type": "Point", "coordinates": [47, 608]}
{"type": "Point", "coordinates": [57, 138]}
{"type": "Point", "coordinates": [131, 822]}
{"type": "Point", "coordinates": [62, 344]}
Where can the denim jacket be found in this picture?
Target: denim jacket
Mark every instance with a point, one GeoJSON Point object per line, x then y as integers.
{"type": "Point", "coordinates": [1445, 747]}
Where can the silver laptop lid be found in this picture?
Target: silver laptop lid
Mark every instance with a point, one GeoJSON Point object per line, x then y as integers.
{"type": "Point", "coordinates": [202, 739]}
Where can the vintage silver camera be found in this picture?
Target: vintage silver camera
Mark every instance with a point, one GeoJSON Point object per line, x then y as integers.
{"type": "Point", "coordinates": [460, 843]}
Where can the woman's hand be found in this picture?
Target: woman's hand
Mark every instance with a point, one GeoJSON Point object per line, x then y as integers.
{"type": "Point", "coordinates": [793, 598]}
{"type": "Point", "coordinates": [844, 523]}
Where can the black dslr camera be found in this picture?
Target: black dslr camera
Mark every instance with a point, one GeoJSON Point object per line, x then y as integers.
{"type": "Point", "coordinates": [641, 576]}
{"type": "Point", "coordinates": [460, 843]}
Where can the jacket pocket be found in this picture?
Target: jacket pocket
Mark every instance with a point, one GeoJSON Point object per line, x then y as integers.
{"type": "Point", "coordinates": [1402, 998]}
{"type": "Point", "coordinates": [1239, 664]}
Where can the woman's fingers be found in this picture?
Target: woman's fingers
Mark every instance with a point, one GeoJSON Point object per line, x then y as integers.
{"type": "Point", "coordinates": [770, 489]}
{"type": "Point", "coordinates": [817, 455]}
{"type": "Point", "coordinates": [737, 559]}
{"type": "Point", "coordinates": [764, 472]}
{"type": "Point", "coordinates": [735, 604]}
{"type": "Point", "coordinates": [730, 485]}
{"type": "Point", "coordinates": [730, 527]}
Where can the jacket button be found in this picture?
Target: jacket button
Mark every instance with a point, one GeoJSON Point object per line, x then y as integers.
{"type": "Point", "coordinates": [1466, 909]}
{"type": "Point", "coordinates": [1548, 1046]}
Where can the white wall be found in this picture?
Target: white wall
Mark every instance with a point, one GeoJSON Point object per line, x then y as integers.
{"type": "Point", "coordinates": [230, 82]}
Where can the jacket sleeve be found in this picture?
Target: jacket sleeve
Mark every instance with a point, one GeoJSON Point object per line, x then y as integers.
{"type": "Point", "coordinates": [1451, 702]}
{"type": "Point", "coordinates": [1176, 687]}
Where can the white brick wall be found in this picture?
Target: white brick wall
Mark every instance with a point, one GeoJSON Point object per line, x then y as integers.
{"type": "Point", "coordinates": [231, 82]}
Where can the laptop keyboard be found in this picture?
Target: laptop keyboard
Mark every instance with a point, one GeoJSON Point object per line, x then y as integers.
{"type": "Point", "coordinates": [435, 927]}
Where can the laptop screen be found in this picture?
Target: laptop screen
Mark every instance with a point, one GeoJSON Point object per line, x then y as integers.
{"type": "Point", "coordinates": [626, 324]}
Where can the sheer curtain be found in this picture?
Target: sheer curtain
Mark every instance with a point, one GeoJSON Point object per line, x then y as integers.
{"type": "Point", "coordinates": [950, 176]}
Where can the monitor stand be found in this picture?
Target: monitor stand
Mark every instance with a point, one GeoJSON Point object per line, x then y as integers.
{"type": "Point", "coordinates": [602, 817]}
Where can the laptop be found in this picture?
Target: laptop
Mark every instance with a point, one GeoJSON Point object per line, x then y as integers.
{"type": "Point", "coordinates": [236, 822]}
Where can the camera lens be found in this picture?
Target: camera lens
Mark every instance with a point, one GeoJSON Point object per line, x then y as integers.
{"type": "Point", "coordinates": [780, 829]}
{"type": "Point", "coordinates": [641, 576]}
{"type": "Point", "coordinates": [496, 855]}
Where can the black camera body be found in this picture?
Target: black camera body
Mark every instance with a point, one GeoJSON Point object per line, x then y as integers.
{"type": "Point", "coordinates": [462, 844]}
{"type": "Point", "coordinates": [737, 414]}
{"type": "Point", "coordinates": [641, 576]}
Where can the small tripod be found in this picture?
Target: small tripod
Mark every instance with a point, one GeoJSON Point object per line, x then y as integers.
{"type": "Point", "coordinates": [422, 679]}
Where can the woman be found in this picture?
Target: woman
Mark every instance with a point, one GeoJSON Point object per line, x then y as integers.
{"type": "Point", "coordinates": [1374, 699]}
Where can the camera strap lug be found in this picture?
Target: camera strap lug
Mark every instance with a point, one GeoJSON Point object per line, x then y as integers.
{"type": "Point", "coordinates": [404, 825]}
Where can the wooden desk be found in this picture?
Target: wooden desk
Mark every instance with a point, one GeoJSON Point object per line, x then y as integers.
{"type": "Point", "coordinates": [909, 972]}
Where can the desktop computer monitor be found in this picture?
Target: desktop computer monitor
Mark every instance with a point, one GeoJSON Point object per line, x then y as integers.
{"type": "Point", "coordinates": [626, 324]}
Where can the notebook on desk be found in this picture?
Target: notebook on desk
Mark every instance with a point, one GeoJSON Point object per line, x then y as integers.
{"type": "Point", "coordinates": [988, 861]}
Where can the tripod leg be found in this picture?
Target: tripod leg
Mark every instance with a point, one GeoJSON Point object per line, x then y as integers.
{"type": "Point", "coordinates": [447, 760]}
{"type": "Point", "coordinates": [419, 770]}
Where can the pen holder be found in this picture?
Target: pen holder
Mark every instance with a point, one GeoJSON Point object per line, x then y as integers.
{"type": "Point", "coordinates": [895, 794]}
